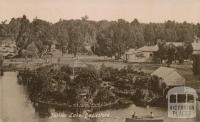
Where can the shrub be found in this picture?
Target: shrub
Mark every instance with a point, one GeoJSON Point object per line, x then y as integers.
{"type": "Point", "coordinates": [196, 65]}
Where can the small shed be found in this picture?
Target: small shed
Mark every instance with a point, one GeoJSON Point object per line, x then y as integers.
{"type": "Point", "coordinates": [170, 76]}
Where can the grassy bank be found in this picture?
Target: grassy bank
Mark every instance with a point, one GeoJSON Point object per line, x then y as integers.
{"type": "Point", "coordinates": [17, 64]}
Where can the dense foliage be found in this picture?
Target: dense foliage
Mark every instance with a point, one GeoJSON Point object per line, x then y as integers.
{"type": "Point", "coordinates": [196, 65]}
{"type": "Point", "coordinates": [89, 86]}
{"type": "Point", "coordinates": [106, 38]}
{"type": "Point", "coordinates": [170, 52]}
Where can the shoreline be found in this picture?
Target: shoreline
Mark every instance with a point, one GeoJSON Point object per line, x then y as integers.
{"type": "Point", "coordinates": [75, 106]}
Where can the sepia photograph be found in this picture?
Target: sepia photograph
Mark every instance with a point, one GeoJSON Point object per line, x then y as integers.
{"type": "Point", "coordinates": [99, 60]}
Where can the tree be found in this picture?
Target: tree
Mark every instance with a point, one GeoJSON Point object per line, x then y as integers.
{"type": "Point", "coordinates": [161, 54]}
{"type": "Point", "coordinates": [23, 38]}
{"type": "Point", "coordinates": [197, 30]}
{"type": "Point", "coordinates": [120, 36]}
{"type": "Point", "coordinates": [170, 35]}
{"type": "Point", "coordinates": [170, 31]}
{"type": "Point", "coordinates": [104, 39]}
{"type": "Point", "coordinates": [196, 65]}
{"type": "Point", "coordinates": [85, 18]}
{"type": "Point", "coordinates": [31, 51]}
{"type": "Point", "coordinates": [104, 42]}
{"type": "Point", "coordinates": [4, 30]}
{"type": "Point", "coordinates": [185, 32]}
{"type": "Point", "coordinates": [41, 35]}
{"type": "Point", "coordinates": [170, 53]}
{"type": "Point", "coordinates": [180, 54]}
{"type": "Point", "coordinates": [61, 34]}
{"type": "Point", "coordinates": [88, 30]}
{"type": "Point", "coordinates": [149, 34]}
{"type": "Point", "coordinates": [75, 40]}
{"type": "Point", "coordinates": [159, 32]}
{"type": "Point", "coordinates": [188, 50]}
{"type": "Point", "coordinates": [112, 40]}
{"type": "Point", "coordinates": [14, 27]}
{"type": "Point", "coordinates": [107, 38]}
{"type": "Point", "coordinates": [136, 38]}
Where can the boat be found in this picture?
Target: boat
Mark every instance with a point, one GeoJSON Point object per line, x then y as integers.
{"type": "Point", "coordinates": [145, 119]}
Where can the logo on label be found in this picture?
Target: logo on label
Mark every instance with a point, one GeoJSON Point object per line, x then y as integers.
{"type": "Point", "coordinates": [182, 102]}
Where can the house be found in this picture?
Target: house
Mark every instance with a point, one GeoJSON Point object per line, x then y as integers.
{"type": "Point", "coordinates": [148, 51]}
{"type": "Point", "coordinates": [143, 54]}
{"type": "Point", "coordinates": [169, 76]}
{"type": "Point", "coordinates": [130, 55]}
{"type": "Point", "coordinates": [196, 47]}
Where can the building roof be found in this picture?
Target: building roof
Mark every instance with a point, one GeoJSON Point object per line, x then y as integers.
{"type": "Point", "coordinates": [88, 47]}
{"type": "Point", "coordinates": [170, 76]}
{"type": "Point", "coordinates": [132, 51]}
{"type": "Point", "coordinates": [153, 48]}
{"type": "Point", "coordinates": [182, 90]}
{"type": "Point", "coordinates": [196, 46]}
{"type": "Point", "coordinates": [176, 44]}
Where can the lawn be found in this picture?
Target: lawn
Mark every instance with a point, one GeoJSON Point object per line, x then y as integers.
{"type": "Point", "coordinates": [184, 69]}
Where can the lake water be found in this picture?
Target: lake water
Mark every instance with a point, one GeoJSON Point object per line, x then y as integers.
{"type": "Point", "coordinates": [15, 107]}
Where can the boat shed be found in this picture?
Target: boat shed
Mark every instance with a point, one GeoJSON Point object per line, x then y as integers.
{"type": "Point", "coordinates": [170, 76]}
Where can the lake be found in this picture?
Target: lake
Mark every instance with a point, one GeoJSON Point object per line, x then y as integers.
{"type": "Point", "coordinates": [16, 107]}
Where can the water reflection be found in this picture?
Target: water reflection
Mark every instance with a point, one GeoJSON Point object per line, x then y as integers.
{"type": "Point", "coordinates": [14, 104]}
{"type": "Point", "coordinates": [16, 107]}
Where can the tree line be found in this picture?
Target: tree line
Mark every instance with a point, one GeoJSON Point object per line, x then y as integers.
{"type": "Point", "coordinates": [106, 38]}
{"type": "Point", "coordinates": [169, 52]}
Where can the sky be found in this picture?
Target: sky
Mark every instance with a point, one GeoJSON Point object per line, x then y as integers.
{"type": "Point", "coordinates": [144, 10]}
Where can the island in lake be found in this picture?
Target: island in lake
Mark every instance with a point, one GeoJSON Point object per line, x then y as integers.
{"type": "Point", "coordinates": [77, 89]}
